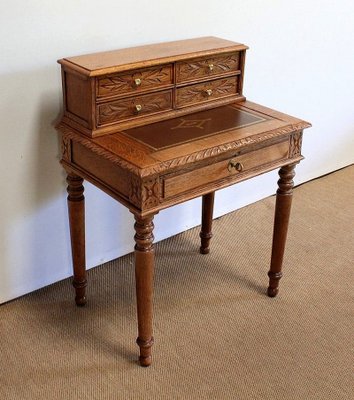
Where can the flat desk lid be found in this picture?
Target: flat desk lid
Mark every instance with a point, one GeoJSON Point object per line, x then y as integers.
{"type": "Point", "coordinates": [191, 127]}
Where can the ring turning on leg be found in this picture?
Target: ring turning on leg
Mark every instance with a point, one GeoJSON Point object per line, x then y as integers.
{"type": "Point", "coordinates": [76, 208]}
{"type": "Point", "coordinates": [144, 277]}
{"type": "Point", "coordinates": [281, 222]}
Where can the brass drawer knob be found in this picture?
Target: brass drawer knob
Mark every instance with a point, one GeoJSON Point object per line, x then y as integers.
{"type": "Point", "coordinates": [138, 108]}
{"type": "Point", "coordinates": [208, 92]}
{"type": "Point", "coordinates": [210, 67]}
{"type": "Point", "coordinates": [137, 82]}
{"type": "Point", "coordinates": [235, 165]}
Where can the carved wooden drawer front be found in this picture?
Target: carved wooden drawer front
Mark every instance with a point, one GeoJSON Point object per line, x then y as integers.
{"type": "Point", "coordinates": [206, 91]}
{"type": "Point", "coordinates": [228, 169]}
{"type": "Point", "coordinates": [135, 81]}
{"type": "Point", "coordinates": [133, 107]}
{"type": "Point", "coordinates": [207, 67]}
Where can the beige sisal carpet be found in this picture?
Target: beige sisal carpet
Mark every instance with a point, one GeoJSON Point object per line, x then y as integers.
{"type": "Point", "coordinates": [217, 335]}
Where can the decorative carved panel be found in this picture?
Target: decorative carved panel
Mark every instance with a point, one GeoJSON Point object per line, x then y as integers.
{"type": "Point", "coordinates": [144, 194]}
{"type": "Point", "coordinates": [126, 82]}
{"type": "Point", "coordinates": [134, 106]}
{"type": "Point", "coordinates": [205, 91]}
{"type": "Point", "coordinates": [135, 190]}
{"type": "Point", "coordinates": [66, 148]}
{"type": "Point", "coordinates": [295, 144]}
{"type": "Point", "coordinates": [205, 67]}
{"type": "Point", "coordinates": [151, 193]}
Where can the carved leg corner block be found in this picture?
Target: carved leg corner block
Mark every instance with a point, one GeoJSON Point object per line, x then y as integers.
{"type": "Point", "coordinates": [76, 208]}
{"type": "Point", "coordinates": [207, 221]}
{"type": "Point", "coordinates": [281, 222]}
{"type": "Point", "coordinates": [144, 277]}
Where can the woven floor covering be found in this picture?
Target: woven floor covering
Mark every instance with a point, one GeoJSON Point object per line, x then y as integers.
{"type": "Point", "coordinates": [217, 335]}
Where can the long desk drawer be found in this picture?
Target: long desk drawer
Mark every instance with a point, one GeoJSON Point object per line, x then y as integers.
{"type": "Point", "coordinates": [229, 168]}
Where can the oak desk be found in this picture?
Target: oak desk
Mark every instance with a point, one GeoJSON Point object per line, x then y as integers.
{"type": "Point", "coordinates": [178, 151]}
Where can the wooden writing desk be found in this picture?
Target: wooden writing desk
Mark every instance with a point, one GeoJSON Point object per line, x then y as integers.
{"type": "Point", "coordinates": [157, 125]}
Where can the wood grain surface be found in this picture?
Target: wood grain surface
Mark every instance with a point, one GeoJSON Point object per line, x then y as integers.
{"type": "Point", "coordinates": [159, 125]}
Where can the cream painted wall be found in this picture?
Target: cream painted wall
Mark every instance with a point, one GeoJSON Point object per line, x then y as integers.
{"type": "Point", "coordinates": [300, 62]}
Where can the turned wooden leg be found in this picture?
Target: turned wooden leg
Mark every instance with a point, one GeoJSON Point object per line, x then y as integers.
{"type": "Point", "coordinates": [144, 276]}
{"type": "Point", "coordinates": [207, 220]}
{"type": "Point", "coordinates": [76, 207]}
{"type": "Point", "coordinates": [281, 222]}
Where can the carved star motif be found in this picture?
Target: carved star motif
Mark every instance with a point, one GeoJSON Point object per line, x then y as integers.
{"type": "Point", "coordinates": [151, 193]}
{"type": "Point", "coordinates": [295, 144]}
{"type": "Point", "coordinates": [65, 148]}
{"type": "Point", "coordinates": [191, 123]}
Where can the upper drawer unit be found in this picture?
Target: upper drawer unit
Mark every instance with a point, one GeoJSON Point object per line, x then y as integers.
{"type": "Point", "coordinates": [111, 91]}
{"type": "Point", "coordinates": [207, 67]}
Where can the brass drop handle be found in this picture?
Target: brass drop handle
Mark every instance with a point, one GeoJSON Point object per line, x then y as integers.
{"type": "Point", "coordinates": [210, 67]}
{"type": "Point", "coordinates": [208, 92]}
{"type": "Point", "coordinates": [137, 82]}
{"type": "Point", "coordinates": [235, 165]}
{"type": "Point", "coordinates": [138, 108]}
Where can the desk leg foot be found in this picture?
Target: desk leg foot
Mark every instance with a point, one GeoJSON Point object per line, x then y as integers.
{"type": "Point", "coordinates": [281, 222]}
{"type": "Point", "coordinates": [76, 208]}
{"type": "Point", "coordinates": [207, 220]}
{"type": "Point", "coordinates": [144, 277]}
{"type": "Point", "coordinates": [145, 351]}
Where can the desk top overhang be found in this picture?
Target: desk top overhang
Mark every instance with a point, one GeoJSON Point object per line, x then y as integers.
{"type": "Point", "coordinates": [191, 138]}
{"type": "Point", "coordinates": [148, 177]}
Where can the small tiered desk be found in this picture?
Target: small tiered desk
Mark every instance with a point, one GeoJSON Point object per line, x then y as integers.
{"type": "Point", "coordinates": [157, 125]}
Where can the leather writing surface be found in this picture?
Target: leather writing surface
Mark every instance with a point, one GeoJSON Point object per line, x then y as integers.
{"type": "Point", "coordinates": [192, 127]}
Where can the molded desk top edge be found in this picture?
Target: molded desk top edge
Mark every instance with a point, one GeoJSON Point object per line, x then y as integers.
{"type": "Point", "coordinates": [148, 55]}
{"type": "Point", "coordinates": [142, 161]}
